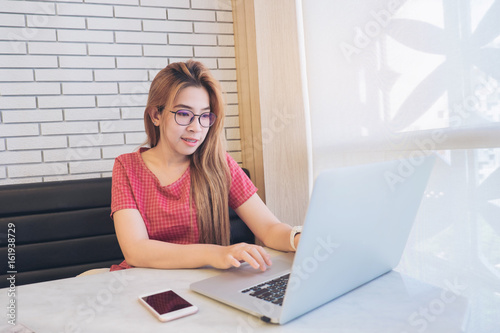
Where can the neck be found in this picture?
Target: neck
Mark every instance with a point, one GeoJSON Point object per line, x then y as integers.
{"type": "Point", "coordinates": [167, 158]}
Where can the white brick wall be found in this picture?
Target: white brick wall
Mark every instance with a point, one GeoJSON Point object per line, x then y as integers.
{"type": "Point", "coordinates": [74, 78]}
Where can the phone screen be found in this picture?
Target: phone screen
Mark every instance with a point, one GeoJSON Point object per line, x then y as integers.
{"type": "Point", "coordinates": [166, 302]}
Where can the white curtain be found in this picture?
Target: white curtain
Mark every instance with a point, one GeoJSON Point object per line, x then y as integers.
{"type": "Point", "coordinates": [392, 78]}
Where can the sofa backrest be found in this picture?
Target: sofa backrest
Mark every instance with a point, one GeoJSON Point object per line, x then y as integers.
{"type": "Point", "coordinates": [62, 229]}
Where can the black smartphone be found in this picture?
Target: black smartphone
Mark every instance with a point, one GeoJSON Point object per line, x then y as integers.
{"type": "Point", "coordinates": [166, 305]}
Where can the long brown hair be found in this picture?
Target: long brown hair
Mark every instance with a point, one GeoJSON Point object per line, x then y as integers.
{"type": "Point", "coordinates": [210, 176]}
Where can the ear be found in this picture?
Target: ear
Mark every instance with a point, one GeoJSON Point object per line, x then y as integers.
{"type": "Point", "coordinates": [154, 115]}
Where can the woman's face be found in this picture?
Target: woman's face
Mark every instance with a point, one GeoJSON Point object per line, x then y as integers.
{"type": "Point", "coordinates": [183, 141]}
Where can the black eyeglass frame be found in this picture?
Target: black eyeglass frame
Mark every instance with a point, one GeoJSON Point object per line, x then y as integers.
{"type": "Point", "coordinates": [160, 109]}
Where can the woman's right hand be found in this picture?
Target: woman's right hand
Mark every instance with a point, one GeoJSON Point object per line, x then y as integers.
{"type": "Point", "coordinates": [234, 255]}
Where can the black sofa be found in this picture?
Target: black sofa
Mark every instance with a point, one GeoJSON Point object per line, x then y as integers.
{"type": "Point", "coordinates": [63, 228]}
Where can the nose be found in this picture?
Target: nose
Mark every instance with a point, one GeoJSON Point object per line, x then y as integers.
{"type": "Point", "coordinates": [195, 125]}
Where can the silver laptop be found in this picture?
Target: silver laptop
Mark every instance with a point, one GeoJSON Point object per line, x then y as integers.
{"type": "Point", "coordinates": [355, 230]}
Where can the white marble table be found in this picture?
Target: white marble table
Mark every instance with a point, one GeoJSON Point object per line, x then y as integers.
{"type": "Point", "coordinates": [108, 303]}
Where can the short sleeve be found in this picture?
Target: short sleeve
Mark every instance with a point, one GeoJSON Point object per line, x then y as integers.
{"type": "Point", "coordinates": [121, 192]}
{"type": "Point", "coordinates": [242, 187]}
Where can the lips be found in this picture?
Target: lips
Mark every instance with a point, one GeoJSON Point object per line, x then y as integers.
{"type": "Point", "coordinates": [190, 141]}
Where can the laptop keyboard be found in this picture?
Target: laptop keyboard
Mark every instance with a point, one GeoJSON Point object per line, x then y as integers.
{"type": "Point", "coordinates": [271, 291]}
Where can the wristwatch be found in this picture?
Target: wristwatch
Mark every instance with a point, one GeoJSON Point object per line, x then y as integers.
{"type": "Point", "coordinates": [295, 230]}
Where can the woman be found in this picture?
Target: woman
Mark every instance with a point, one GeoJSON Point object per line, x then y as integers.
{"type": "Point", "coordinates": [169, 202]}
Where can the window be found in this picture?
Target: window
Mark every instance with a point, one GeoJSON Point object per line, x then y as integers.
{"type": "Point", "coordinates": [390, 78]}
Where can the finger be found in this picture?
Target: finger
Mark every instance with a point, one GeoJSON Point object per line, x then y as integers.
{"type": "Point", "coordinates": [234, 262]}
{"type": "Point", "coordinates": [257, 256]}
{"type": "Point", "coordinates": [266, 256]}
{"type": "Point", "coordinates": [250, 259]}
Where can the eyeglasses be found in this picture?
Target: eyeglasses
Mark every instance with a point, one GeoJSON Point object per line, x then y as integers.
{"type": "Point", "coordinates": [186, 117]}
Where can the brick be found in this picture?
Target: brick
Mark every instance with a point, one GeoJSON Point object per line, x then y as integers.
{"type": "Point", "coordinates": [224, 74]}
{"type": "Point", "coordinates": [27, 34]}
{"type": "Point", "coordinates": [229, 87]}
{"type": "Point", "coordinates": [233, 145]}
{"type": "Point", "coordinates": [84, 10]}
{"type": "Point", "coordinates": [213, 28]}
{"type": "Point", "coordinates": [190, 15]}
{"type": "Point", "coordinates": [13, 47]}
{"type": "Point", "coordinates": [7, 130]}
{"type": "Point", "coordinates": [115, 2]}
{"type": "Point", "coordinates": [29, 88]}
{"type": "Point", "coordinates": [30, 180]}
{"type": "Point", "coordinates": [231, 98]}
{"type": "Point", "coordinates": [84, 36]}
{"type": "Point", "coordinates": [72, 127]}
{"type": "Point", "coordinates": [141, 37]}
{"type": "Point", "coordinates": [86, 62]}
{"type": "Point", "coordinates": [141, 62]}
{"type": "Point", "coordinates": [72, 154]}
{"type": "Point", "coordinates": [99, 139]}
{"type": "Point", "coordinates": [52, 102]}
{"type": "Point", "coordinates": [192, 39]}
{"type": "Point", "coordinates": [19, 157]}
{"type": "Point", "coordinates": [227, 63]}
{"type": "Point", "coordinates": [100, 23]}
{"type": "Point", "coordinates": [226, 40]}
{"type": "Point", "coordinates": [28, 7]}
{"type": "Point", "coordinates": [2, 144]}
{"type": "Point", "coordinates": [3, 172]}
{"type": "Point", "coordinates": [232, 133]}
{"type": "Point", "coordinates": [166, 3]}
{"type": "Point", "coordinates": [63, 75]}
{"type": "Point", "coordinates": [120, 75]}
{"type": "Point", "coordinates": [46, 21]}
{"type": "Point", "coordinates": [232, 110]}
{"type": "Point", "coordinates": [231, 121]}
{"type": "Point", "coordinates": [12, 20]}
{"type": "Point", "coordinates": [91, 166]}
{"type": "Point", "coordinates": [31, 116]}
{"type": "Point", "coordinates": [133, 113]}
{"type": "Point", "coordinates": [167, 26]}
{"type": "Point", "coordinates": [57, 48]}
{"type": "Point", "coordinates": [16, 75]}
{"type": "Point", "coordinates": [134, 87]}
{"type": "Point", "coordinates": [28, 61]}
{"type": "Point", "coordinates": [236, 156]}
{"type": "Point", "coordinates": [15, 102]}
{"type": "Point", "coordinates": [122, 126]}
{"type": "Point", "coordinates": [122, 100]}
{"type": "Point", "coordinates": [89, 88]}
{"type": "Point", "coordinates": [39, 169]}
{"type": "Point", "coordinates": [212, 4]}
{"type": "Point", "coordinates": [115, 49]}
{"type": "Point", "coordinates": [135, 138]}
{"type": "Point", "coordinates": [210, 63]}
{"type": "Point", "coordinates": [113, 152]}
{"type": "Point", "coordinates": [152, 74]}
{"type": "Point", "coordinates": [38, 142]}
{"type": "Point", "coordinates": [168, 51]}
{"type": "Point", "coordinates": [224, 16]}
{"type": "Point", "coordinates": [92, 114]}
{"type": "Point", "coordinates": [74, 177]}
{"type": "Point", "coordinates": [214, 51]}
{"type": "Point", "coordinates": [140, 12]}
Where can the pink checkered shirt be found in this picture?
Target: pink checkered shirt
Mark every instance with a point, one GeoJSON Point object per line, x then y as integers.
{"type": "Point", "coordinates": [165, 209]}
